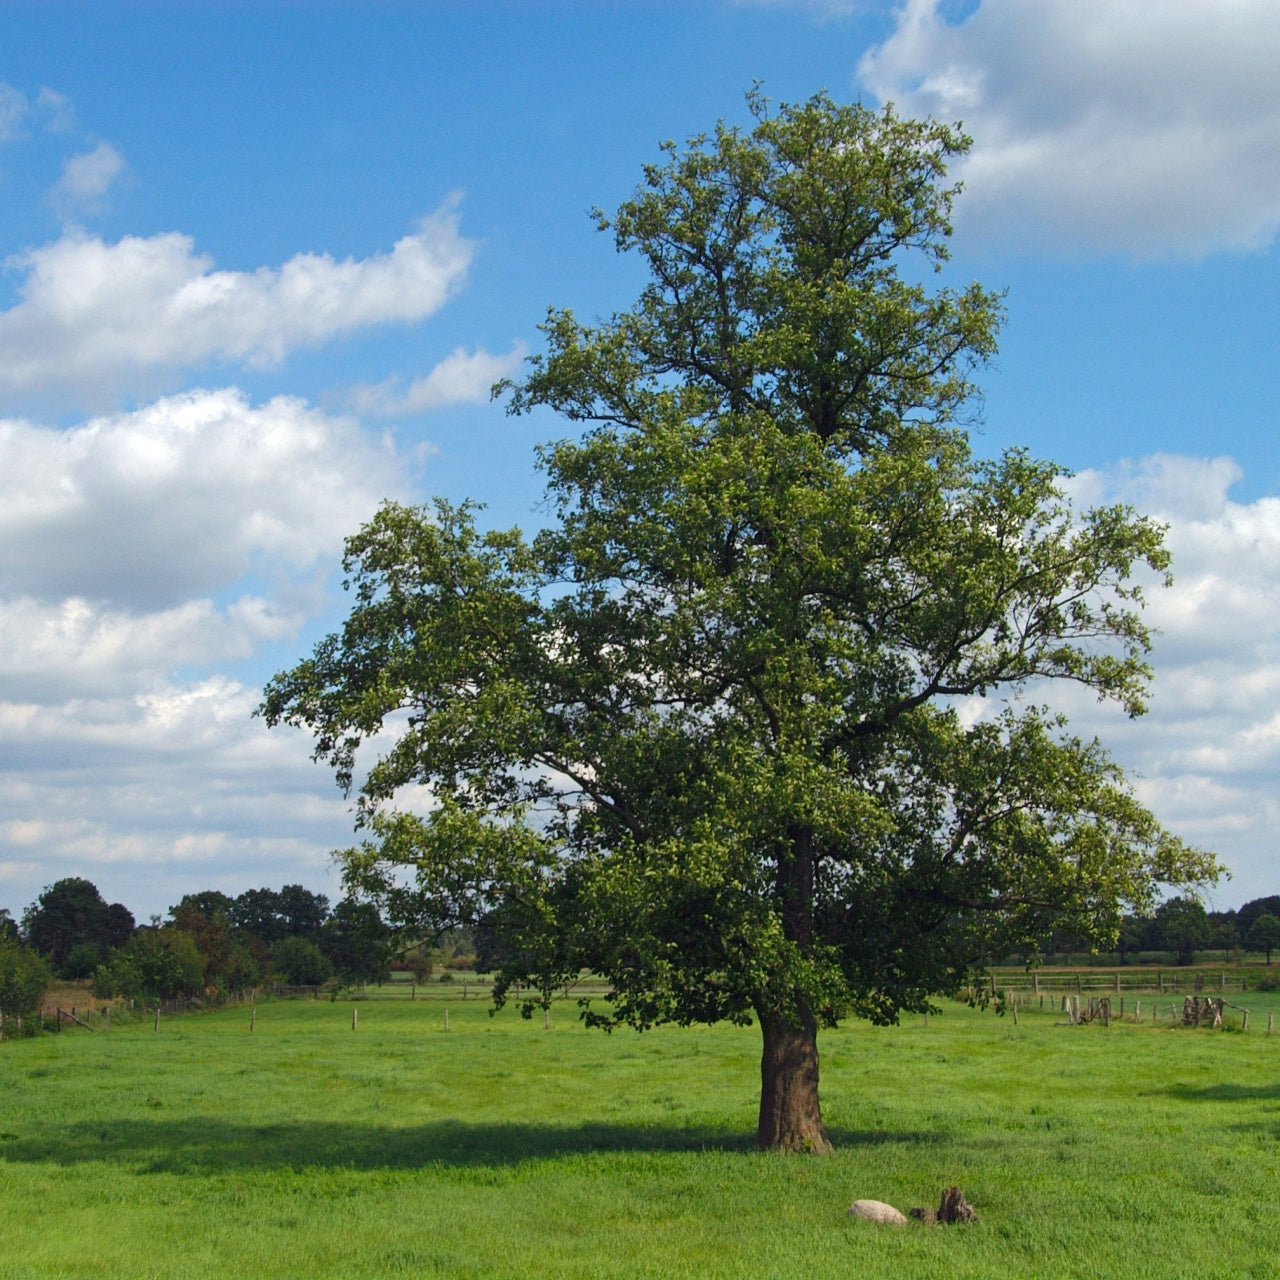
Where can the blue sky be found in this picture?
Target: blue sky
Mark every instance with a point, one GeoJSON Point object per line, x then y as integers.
{"type": "Point", "coordinates": [261, 262]}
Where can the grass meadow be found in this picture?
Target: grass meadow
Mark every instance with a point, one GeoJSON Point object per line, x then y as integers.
{"type": "Point", "coordinates": [503, 1149]}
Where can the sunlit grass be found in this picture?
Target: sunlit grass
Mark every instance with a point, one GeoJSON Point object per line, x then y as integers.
{"type": "Point", "coordinates": [503, 1149]}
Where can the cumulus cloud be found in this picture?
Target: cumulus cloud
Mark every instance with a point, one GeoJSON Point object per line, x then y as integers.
{"type": "Point", "coordinates": [159, 794]}
{"type": "Point", "coordinates": [1112, 125]}
{"type": "Point", "coordinates": [76, 648]}
{"type": "Point", "coordinates": [462, 377]}
{"type": "Point", "coordinates": [96, 319]}
{"type": "Point", "coordinates": [140, 553]}
{"type": "Point", "coordinates": [1207, 754]}
{"type": "Point", "coordinates": [85, 180]}
{"type": "Point", "coordinates": [143, 510]}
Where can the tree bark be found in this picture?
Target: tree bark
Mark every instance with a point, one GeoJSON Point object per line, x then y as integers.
{"type": "Point", "coordinates": [790, 1117]}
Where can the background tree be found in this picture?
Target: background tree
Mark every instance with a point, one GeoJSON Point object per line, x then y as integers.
{"type": "Point", "coordinates": [156, 964]}
{"type": "Point", "coordinates": [72, 912]}
{"type": "Point", "coordinates": [270, 915]}
{"type": "Point", "coordinates": [1264, 934]}
{"type": "Point", "coordinates": [1224, 931]}
{"type": "Point", "coordinates": [1182, 927]}
{"type": "Point", "coordinates": [700, 734]}
{"type": "Point", "coordinates": [1255, 907]}
{"type": "Point", "coordinates": [357, 942]}
{"type": "Point", "coordinates": [205, 918]}
{"type": "Point", "coordinates": [1132, 937]}
{"type": "Point", "coordinates": [300, 963]}
{"type": "Point", "coordinates": [24, 978]}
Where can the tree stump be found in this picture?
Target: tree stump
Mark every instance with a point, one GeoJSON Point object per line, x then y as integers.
{"type": "Point", "coordinates": [955, 1208]}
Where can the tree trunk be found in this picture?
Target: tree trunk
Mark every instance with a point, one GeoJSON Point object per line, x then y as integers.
{"type": "Point", "coordinates": [790, 1117]}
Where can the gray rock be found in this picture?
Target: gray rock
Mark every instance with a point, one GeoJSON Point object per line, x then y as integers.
{"type": "Point", "coordinates": [876, 1211]}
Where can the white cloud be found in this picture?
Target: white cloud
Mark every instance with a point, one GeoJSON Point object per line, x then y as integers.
{"type": "Point", "coordinates": [86, 179]}
{"type": "Point", "coordinates": [1113, 125]}
{"type": "Point", "coordinates": [159, 794]}
{"type": "Point", "coordinates": [462, 377]}
{"type": "Point", "coordinates": [136, 548]}
{"type": "Point", "coordinates": [145, 510]}
{"type": "Point", "coordinates": [73, 647]}
{"type": "Point", "coordinates": [96, 319]}
{"type": "Point", "coordinates": [1207, 754]}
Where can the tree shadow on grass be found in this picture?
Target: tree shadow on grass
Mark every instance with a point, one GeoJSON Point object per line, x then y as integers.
{"type": "Point", "coordinates": [1224, 1093]}
{"type": "Point", "coordinates": [199, 1145]}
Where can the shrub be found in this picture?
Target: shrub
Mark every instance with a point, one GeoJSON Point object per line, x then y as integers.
{"type": "Point", "coordinates": [24, 978]}
{"type": "Point", "coordinates": [158, 964]}
{"type": "Point", "coordinates": [81, 961]}
{"type": "Point", "coordinates": [300, 963]}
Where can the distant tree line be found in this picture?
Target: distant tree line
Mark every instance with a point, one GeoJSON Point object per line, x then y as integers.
{"type": "Point", "coordinates": [1182, 928]}
{"type": "Point", "coordinates": [210, 941]}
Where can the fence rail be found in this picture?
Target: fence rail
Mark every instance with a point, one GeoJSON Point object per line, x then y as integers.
{"type": "Point", "coordinates": [1148, 981]}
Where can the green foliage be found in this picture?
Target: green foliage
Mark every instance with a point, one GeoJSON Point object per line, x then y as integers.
{"type": "Point", "coordinates": [81, 961]}
{"type": "Point", "coordinates": [701, 734]}
{"type": "Point", "coordinates": [157, 964]}
{"type": "Point", "coordinates": [271, 914]}
{"type": "Point", "coordinates": [357, 942]}
{"type": "Point", "coordinates": [300, 963]}
{"type": "Point", "coordinates": [1254, 908]}
{"type": "Point", "coordinates": [1264, 934]}
{"type": "Point", "coordinates": [228, 962]}
{"type": "Point", "coordinates": [1182, 926]}
{"type": "Point", "coordinates": [70, 913]}
{"type": "Point", "coordinates": [24, 978]}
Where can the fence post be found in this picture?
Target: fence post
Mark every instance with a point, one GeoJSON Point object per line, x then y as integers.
{"type": "Point", "coordinates": [446, 1017]}
{"type": "Point", "coordinates": [1271, 1022]}
{"type": "Point", "coordinates": [253, 1016]}
{"type": "Point", "coordinates": [355, 1017]}
{"type": "Point", "coordinates": [157, 1027]}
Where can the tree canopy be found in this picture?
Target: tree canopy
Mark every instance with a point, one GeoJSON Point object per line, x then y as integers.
{"type": "Point", "coordinates": [754, 727]}
{"type": "Point", "coordinates": [70, 914]}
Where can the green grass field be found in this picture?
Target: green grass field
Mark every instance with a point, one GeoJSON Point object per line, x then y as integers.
{"type": "Point", "coordinates": [500, 1149]}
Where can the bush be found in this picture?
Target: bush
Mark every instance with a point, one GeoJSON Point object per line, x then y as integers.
{"type": "Point", "coordinates": [24, 978]}
{"type": "Point", "coordinates": [300, 963]}
{"type": "Point", "coordinates": [81, 961]}
{"type": "Point", "coordinates": [158, 964]}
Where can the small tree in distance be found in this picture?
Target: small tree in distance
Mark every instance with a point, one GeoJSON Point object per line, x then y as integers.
{"type": "Point", "coordinates": [700, 735]}
{"type": "Point", "coordinates": [1264, 934]}
{"type": "Point", "coordinates": [24, 978]}
{"type": "Point", "coordinates": [1182, 926]}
